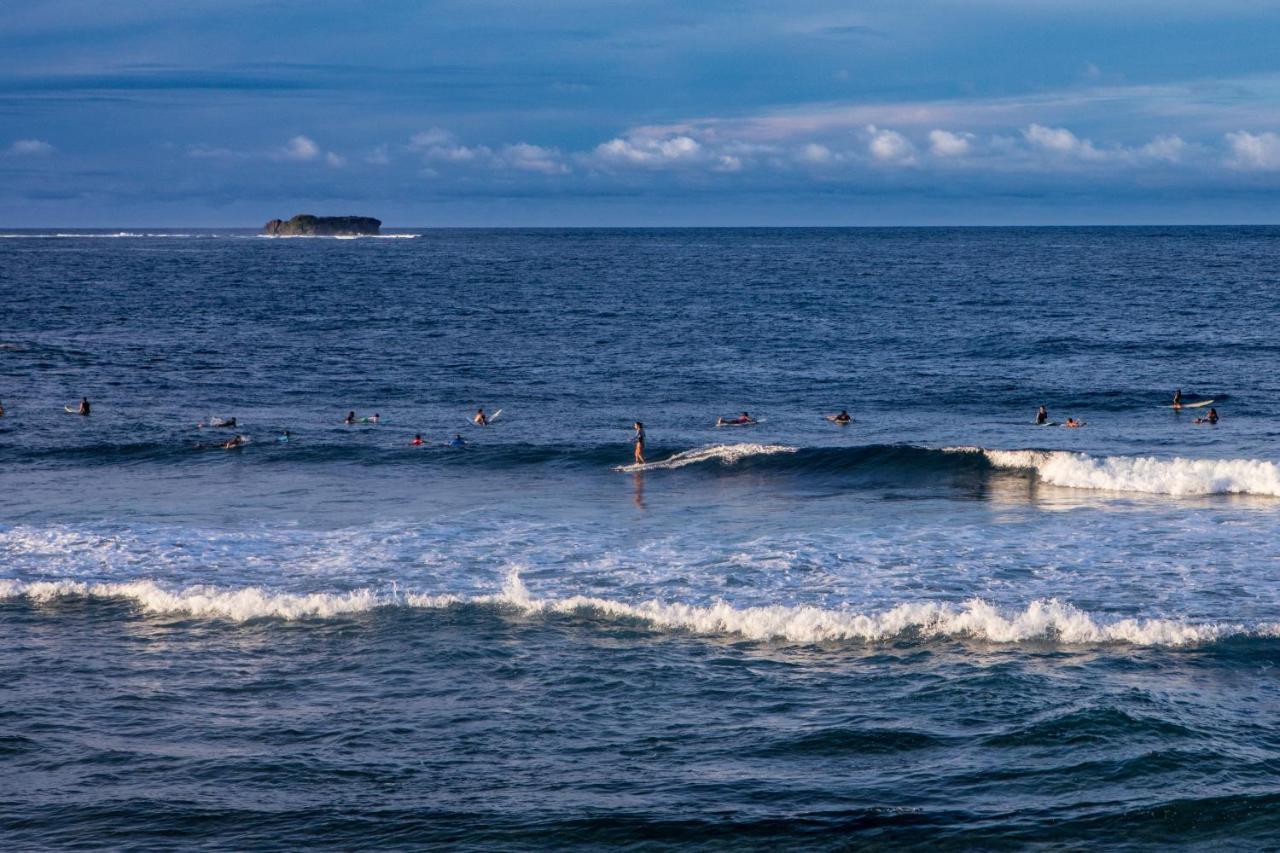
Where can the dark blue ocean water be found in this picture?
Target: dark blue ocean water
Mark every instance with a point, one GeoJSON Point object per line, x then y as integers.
{"type": "Point", "coordinates": [940, 626]}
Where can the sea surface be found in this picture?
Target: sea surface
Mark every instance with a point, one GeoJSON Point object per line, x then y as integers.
{"type": "Point", "coordinates": [939, 627]}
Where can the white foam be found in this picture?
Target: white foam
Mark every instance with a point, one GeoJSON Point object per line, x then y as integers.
{"type": "Point", "coordinates": [1176, 476]}
{"type": "Point", "coordinates": [727, 454]}
{"type": "Point", "coordinates": [1046, 620]}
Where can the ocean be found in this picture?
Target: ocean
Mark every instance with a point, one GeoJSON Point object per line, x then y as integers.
{"type": "Point", "coordinates": [940, 626]}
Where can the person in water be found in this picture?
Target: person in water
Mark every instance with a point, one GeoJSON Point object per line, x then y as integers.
{"type": "Point", "coordinates": [218, 422]}
{"type": "Point", "coordinates": [1211, 418]}
{"type": "Point", "coordinates": [1073, 423]}
{"type": "Point", "coordinates": [1, 410]}
{"type": "Point", "coordinates": [639, 440]}
{"type": "Point", "coordinates": [417, 441]}
{"type": "Point", "coordinates": [481, 419]}
{"type": "Point", "coordinates": [744, 418]}
{"type": "Point", "coordinates": [284, 436]}
{"type": "Point", "coordinates": [843, 417]}
{"type": "Point", "coordinates": [458, 441]}
{"type": "Point", "coordinates": [1042, 416]}
{"type": "Point", "coordinates": [1177, 399]}
{"type": "Point", "coordinates": [375, 419]}
{"type": "Point", "coordinates": [234, 442]}
{"type": "Point", "coordinates": [350, 418]}
{"type": "Point", "coordinates": [84, 406]}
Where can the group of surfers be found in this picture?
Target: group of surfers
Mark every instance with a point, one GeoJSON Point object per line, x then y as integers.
{"type": "Point", "coordinates": [482, 419]}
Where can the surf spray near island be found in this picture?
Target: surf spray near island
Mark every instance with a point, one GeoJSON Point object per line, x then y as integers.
{"type": "Point", "coordinates": [937, 623]}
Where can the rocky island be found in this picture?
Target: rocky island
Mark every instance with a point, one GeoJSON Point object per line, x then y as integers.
{"type": "Point", "coordinates": [306, 225]}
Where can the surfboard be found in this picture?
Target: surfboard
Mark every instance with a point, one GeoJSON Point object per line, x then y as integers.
{"type": "Point", "coordinates": [834, 419]}
{"type": "Point", "coordinates": [746, 424]}
{"type": "Point", "coordinates": [1046, 423]}
{"type": "Point", "coordinates": [69, 410]}
{"type": "Point", "coordinates": [492, 418]}
{"type": "Point", "coordinates": [1199, 404]}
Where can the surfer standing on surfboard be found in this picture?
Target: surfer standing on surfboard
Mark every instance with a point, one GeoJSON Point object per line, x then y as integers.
{"type": "Point", "coordinates": [639, 440]}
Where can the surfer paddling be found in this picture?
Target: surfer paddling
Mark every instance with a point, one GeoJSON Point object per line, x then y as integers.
{"type": "Point", "coordinates": [741, 420]}
{"type": "Point", "coordinates": [349, 419]}
{"type": "Point", "coordinates": [843, 418]}
{"type": "Point", "coordinates": [639, 442]}
{"type": "Point", "coordinates": [1072, 423]}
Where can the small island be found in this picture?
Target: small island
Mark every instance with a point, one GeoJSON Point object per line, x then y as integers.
{"type": "Point", "coordinates": [306, 225]}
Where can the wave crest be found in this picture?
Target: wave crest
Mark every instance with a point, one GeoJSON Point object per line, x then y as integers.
{"type": "Point", "coordinates": [728, 454]}
{"type": "Point", "coordinates": [1046, 620]}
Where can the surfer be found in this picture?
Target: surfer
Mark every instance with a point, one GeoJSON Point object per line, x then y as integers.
{"type": "Point", "coordinates": [1177, 399]}
{"type": "Point", "coordinates": [284, 436]}
{"type": "Point", "coordinates": [458, 441]}
{"type": "Point", "coordinates": [233, 442]}
{"type": "Point", "coordinates": [84, 407]}
{"type": "Point", "coordinates": [350, 418]}
{"type": "Point", "coordinates": [417, 441]}
{"type": "Point", "coordinates": [219, 422]}
{"type": "Point", "coordinates": [639, 440]}
{"type": "Point", "coordinates": [481, 419]}
{"type": "Point", "coordinates": [1211, 418]}
{"type": "Point", "coordinates": [1072, 423]}
{"type": "Point", "coordinates": [744, 418]}
{"type": "Point", "coordinates": [1042, 416]}
{"type": "Point", "coordinates": [374, 419]}
{"type": "Point", "coordinates": [842, 418]}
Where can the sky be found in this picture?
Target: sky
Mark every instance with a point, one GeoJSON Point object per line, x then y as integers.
{"type": "Point", "coordinates": [645, 112]}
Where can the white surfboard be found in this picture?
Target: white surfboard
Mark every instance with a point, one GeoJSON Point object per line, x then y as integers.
{"type": "Point", "coordinates": [1199, 404]}
{"type": "Point", "coordinates": [751, 422]}
{"type": "Point", "coordinates": [492, 418]}
{"type": "Point", "coordinates": [835, 419]}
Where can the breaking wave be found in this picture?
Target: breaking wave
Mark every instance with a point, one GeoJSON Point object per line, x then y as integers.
{"type": "Point", "coordinates": [1045, 620]}
{"type": "Point", "coordinates": [725, 453]}
{"type": "Point", "coordinates": [1177, 476]}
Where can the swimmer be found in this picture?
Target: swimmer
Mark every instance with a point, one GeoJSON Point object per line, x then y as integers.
{"type": "Point", "coordinates": [458, 441]}
{"type": "Point", "coordinates": [417, 441]}
{"type": "Point", "coordinates": [639, 440]}
{"type": "Point", "coordinates": [842, 418]}
{"type": "Point", "coordinates": [744, 418]}
{"type": "Point", "coordinates": [84, 407]}
{"type": "Point", "coordinates": [350, 418]}
{"type": "Point", "coordinates": [481, 419]}
{"type": "Point", "coordinates": [1042, 416]}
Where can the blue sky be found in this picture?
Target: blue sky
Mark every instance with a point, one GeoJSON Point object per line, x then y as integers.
{"type": "Point", "coordinates": [230, 112]}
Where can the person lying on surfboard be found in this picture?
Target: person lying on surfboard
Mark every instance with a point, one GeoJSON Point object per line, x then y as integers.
{"type": "Point", "coordinates": [234, 442]}
{"type": "Point", "coordinates": [639, 440]}
{"type": "Point", "coordinates": [350, 418]}
{"type": "Point", "coordinates": [1211, 418]}
{"type": "Point", "coordinates": [481, 419]}
{"type": "Point", "coordinates": [417, 441]}
{"type": "Point", "coordinates": [1042, 416]}
{"type": "Point", "coordinates": [843, 418]}
{"type": "Point", "coordinates": [1072, 423]}
{"type": "Point", "coordinates": [744, 418]}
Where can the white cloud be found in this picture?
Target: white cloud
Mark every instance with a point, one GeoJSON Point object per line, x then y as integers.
{"type": "Point", "coordinates": [436, 137]}
{"type": "Point", "coordinates": [815, 153]}
{"type": "Point", "coordinates": [649, 151]}
{"type": "Point", "coordinates": [1170, 149]}
{"type": "Point", "coordinates": [728, 163]}
{"type": "Point", "coordinates": [335, 161]}
{"type": "Point", "coordinates": [300, 148]}
{"type": "Point", "coordinates": [205, 152]}
{"type": "Point", "coordinates": [1060, 141]}
{"type": "Point", "coordinates": [533, 158]}
{"type": "Point", "coordinates": [889, 146]}
{"type": "Point", "coordinates": [1254, 151]}
{"type": "Point", "coordinates": [379, 156]}
{"type": "Point", "coordinates": [944, 143]}
{"type": "Point", "coordinates": [30, 146]}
